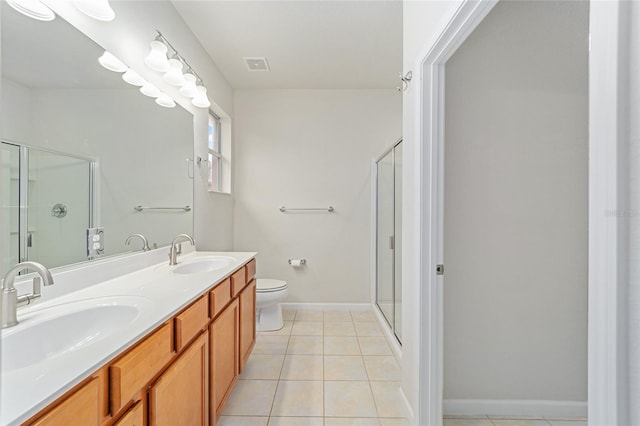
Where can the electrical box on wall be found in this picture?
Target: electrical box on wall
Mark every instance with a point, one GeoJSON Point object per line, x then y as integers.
{"type": "Point", "coordinates": [95, 242]}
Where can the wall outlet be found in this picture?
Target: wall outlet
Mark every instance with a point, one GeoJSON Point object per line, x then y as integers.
{"type": "Point", "coordinates": [95, 242]}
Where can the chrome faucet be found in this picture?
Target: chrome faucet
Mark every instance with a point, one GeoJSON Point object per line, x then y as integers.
{"type": "Point", "coordinates": [145, 243]}
{"type": "Point", "coordinates": [9, 299]}
{"type": "Point", "coordinates": [177, 249]}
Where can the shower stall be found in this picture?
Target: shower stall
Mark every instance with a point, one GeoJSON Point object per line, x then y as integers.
{"type": "Point", "coordinates": [47, 206]}
{"type": "Point", "coordinates": [388, 241]}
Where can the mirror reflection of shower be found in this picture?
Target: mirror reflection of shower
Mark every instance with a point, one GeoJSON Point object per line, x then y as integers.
{"type": "Point", "coordinates": [47, 201]}
{"type": "Point", "coordinates": [389, 237]}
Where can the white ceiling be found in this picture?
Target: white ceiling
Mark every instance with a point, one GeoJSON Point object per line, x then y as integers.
{"type": "Point", "coordinates": [309, 44]}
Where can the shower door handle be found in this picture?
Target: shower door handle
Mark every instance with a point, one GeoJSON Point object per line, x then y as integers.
{"type": "Point", "coordinates": [392, 242]}
{"type": "Point", "coordinates": [29, 239]}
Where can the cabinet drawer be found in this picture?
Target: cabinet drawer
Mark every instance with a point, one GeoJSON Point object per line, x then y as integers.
{"type": "Point", "coordinates": [220, 296]}
{"type": "Point", "coordinates": [135, 369]}
{"type": "Point", "coordinates": [81, 408]}
{"type": "Point", "coordinates": [190, 322]}
{"type": "Point", "coordinates": [251, 270]}
{"type": "Point", "coordinates": [238, 281]}
{"type": "Point", "coordinates": [133, 417]}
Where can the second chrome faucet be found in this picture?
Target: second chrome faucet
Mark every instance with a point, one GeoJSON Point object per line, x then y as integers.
{"type": "Point", "coordinates": [176, 247]}
{"type": "Point", "coordinates": [145, 243]}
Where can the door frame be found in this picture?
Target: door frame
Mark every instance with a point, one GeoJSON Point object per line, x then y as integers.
{"type": "Point", "coordinates": [430, 133]}
{"type": "Point", "coordinates": [605, 344]}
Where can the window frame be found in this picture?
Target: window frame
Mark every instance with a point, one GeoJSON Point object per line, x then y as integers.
{"type": "Point", "coordinates": [211, 151]}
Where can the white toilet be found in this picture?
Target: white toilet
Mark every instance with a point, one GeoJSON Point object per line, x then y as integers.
{"type": "Point", "coordinates": [269, 294]}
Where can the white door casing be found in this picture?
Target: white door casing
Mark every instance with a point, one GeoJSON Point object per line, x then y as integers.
{"type": "Point", "coordinates": [606, 400]}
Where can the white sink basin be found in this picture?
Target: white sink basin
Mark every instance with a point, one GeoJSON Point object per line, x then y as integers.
{"type": "Point", "coordinates": [202, 264]}
{"type": "Point", "coordinates": [48, 333]}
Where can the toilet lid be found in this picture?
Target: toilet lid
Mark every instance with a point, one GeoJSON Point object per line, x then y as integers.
{"type": "Point", "coordinates": [266, 284]}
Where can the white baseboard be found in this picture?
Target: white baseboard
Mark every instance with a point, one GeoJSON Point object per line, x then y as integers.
{"type": "Point", "coordinates": [407, 407]}
{"type": "Point", "coordinates": [516, 408]}
{"type": "Point", "coordinates": [388, 334]}
{"type": "Point", "coordinates": [327, 306]}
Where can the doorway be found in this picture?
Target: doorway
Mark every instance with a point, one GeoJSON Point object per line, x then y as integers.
{"type": "Point", "coordinates": [516, 214]}
{"type": "Point", "coordinates": [469, 16]}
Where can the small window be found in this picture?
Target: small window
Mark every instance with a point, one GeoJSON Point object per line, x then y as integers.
{"type": "Point", "coordinates": [215, 153]}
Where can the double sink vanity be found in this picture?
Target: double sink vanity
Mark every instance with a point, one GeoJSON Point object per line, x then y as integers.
{"type": "Point", "coordinates": [126, 336]}
{"type": "Point", "coordinates": [131, 341]}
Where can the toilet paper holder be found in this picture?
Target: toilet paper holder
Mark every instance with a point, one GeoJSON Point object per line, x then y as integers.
{"type": "Point", "coordinates": [294, 262]}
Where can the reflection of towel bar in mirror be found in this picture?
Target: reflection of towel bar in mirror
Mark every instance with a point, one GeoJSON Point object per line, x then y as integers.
{"type": "Point", "coordinates": [141, 208]}
{"type": "Point", "coordinates": [329, 209]}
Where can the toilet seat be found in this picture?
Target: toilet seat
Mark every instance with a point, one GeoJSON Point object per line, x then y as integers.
{"type": "Point", "coordinates": [266, 285]}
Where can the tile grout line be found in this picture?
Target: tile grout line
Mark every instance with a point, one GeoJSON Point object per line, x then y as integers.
{"type": "Point", "coordinates": [323, 354]}
{"type": "Point", "coordinates": [324, 404]}
{"type": "Point", "coordinates": [273, 401]}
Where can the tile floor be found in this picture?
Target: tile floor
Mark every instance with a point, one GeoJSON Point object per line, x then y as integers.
{"type": "Point", "coordinates": [324, 368]}
{"type": "Point", "coordinates": [332, 368]}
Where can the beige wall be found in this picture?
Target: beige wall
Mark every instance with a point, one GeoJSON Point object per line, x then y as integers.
{"type": "Point", "coordinates": [310, 148]}
{"type": "Point", "coordinates": [516, 152]}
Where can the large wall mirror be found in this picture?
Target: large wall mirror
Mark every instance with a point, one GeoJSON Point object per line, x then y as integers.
{"type": "Point", "coordinates": [81, 148]}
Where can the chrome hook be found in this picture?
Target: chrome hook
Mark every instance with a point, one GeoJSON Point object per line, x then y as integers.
{"type": "Point", "coordinates": [405, 81]}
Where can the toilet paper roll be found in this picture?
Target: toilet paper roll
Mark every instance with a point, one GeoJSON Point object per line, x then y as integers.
{"type": "Point", "coordinates": [296, 263]}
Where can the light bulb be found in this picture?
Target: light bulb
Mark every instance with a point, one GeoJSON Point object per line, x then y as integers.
{"type": "Point", "coordinates": [133, 78]}
{"type": "Point", "coordinates": [96, 9]}
{"type": "Point", "coordinates": [150, 90]}
{"type": "Point", "coordinates": [189, 88]}
{"type": "Point", "coordinates": [111, 63]}
{"type": "Point", "coordinates": [200, 99]}
{"type": "Point", "coordinates": [157, 57]}
{"type": "Point", "coordinates": [174, 75]}
{"type": "Point", "coordinates": [165, 101]}
{"type": "Point", "coordinates": [33, 9]}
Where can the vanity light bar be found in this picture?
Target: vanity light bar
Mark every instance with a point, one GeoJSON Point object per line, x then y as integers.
{"type": "Point", "coordinates": [96, 9]}
{"type": "Point", "coordinates": [110, 62]}
{"type": "Point", "coordinates": [166, 59]}
{"type": "Point", "coordinates": [34, 9]}
{"type": "Point", "coordinates": [173, 53]}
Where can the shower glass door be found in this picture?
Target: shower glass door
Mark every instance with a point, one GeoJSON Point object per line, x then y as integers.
{"type": "Point", "coordinates": [58, 208]}
{"type": "Point", "coordinates": [10, 206]}
{"type": "Point", "coordinates": [47, 206]}
{"type": "Point", "coordinates": [397, 232]}
{"type": "Point", "coordinates": [389, 237]}
{"type": "Point", "coordinates": [385, 236]}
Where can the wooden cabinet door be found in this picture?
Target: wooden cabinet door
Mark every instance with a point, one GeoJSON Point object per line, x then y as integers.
{"type": "Point", "coordinates": [223, 335]}
{"type": "Point", "coordinates": [80, 408]}
{"type": "Point", "coordinates": [133, 417]}
{"type": "Point", "coordinates": [247, 322]}
{"type": "Point", "coordinates": [180, 396]}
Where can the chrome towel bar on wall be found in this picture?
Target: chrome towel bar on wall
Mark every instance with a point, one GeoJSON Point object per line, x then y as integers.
{"type": "Point", "coordinates": [141, 208]}
{"type": "Point", "coordinates": [329, 209]}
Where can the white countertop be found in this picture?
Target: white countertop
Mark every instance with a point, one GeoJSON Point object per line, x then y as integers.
{"type": "Point", "coordinates": [161, 294]}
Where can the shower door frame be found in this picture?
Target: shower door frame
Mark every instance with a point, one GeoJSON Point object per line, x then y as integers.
{"type": "Point", "coordinates": [375, 239]}
{"type": "Point", "coordinates": [23, 190]}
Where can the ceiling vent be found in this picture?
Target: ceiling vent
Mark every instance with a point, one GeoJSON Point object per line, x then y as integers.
{"type": "Point", "coordinates": [257, 64]}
